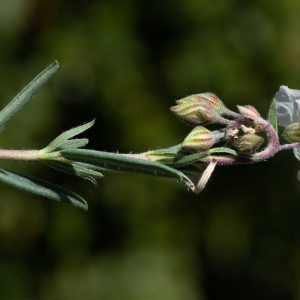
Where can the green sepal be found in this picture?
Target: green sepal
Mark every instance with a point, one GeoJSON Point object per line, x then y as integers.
{"type": "Point", "coordinates": [74, 169]}
{"type": "Point", "coordinates": [26, 94]}
{"type": "Point", "coordinates": [42, 188]}
{"type": "Point", "coordinates": [273, 115]}
{"type": "Point", "coordinates": [61, 141]}
{"type": "Point", "coordinates": [232, 152]}
{"type": "Point", "coordinates": [177, 162]}
{"type": "Point", "coordinates": [223, 150]}
{"type": "Point", "coordinates": [120, 163]}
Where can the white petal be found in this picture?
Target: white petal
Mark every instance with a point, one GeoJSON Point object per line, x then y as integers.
{"type": "Point", "coordinates": [293, 94]}
{"type": "Point", "coordinates": [285, 106]}
{"type": "Point", "coordinates": [298, 175]}
{"type": "Point", "coordinates": [296, 113]}
{"type": "Point", "coordinates": [297, 152]}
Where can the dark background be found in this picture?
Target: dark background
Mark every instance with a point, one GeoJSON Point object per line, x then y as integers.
{"type": "Point", "coordinates": [124, 62]}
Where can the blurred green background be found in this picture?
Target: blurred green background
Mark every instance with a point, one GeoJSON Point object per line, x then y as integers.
{"type": "Point", "coordinates": [125, 62]}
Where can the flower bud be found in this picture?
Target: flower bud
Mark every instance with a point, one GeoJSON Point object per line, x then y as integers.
{"type": "Point", "coordinates": [211, 98]}
{"type": "Point", "coordinates": [253, 109]}
{"type": "Point", "coordinates": [195, 112]}
{"type": "Point", "coordinates": [292, 133]}
{"type": "Point", "coordinates": [249, 143]}
{"type": "Point", "coordinates": [199, 139]}
{"type": "Point", "coordinates": [248, 113]}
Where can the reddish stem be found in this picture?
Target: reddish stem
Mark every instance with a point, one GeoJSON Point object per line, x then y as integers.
{"type": "Point", "coordinates": [272, 148]}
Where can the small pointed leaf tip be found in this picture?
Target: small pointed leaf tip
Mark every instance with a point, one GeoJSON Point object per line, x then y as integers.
{"type": "Point", "coordinates": [26, 94]}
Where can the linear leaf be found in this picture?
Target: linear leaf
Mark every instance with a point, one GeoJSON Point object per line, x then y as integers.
{"type": "Point", "coordinates": [223, 150]}
{"type": "Point", "coordinates": [273, 115]}
{"type": "Point", "coordinates": [232, 152]}
{"type": "Point", "coordinates": [57, 142]}
{"type": "Point", "coordinates": [73, 169]}
{"type": "Point", "coordinates": [71, 144]}
{"type": "Point", "coordinates": [121, 163]}
{"type": "Point", "coordinates": [19, 101]}
{"type": "Point", "coordinates": [175, 150]}
{"type": "Point", "coordinates": [182, 161]}
{"type": "Point", "coordinates": [41, 188]}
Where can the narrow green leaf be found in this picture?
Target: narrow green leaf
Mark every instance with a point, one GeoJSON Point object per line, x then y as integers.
{"type": "Point", "coordinates": [71, 144]}
{"type": "Point", "coordinates": [41, 188]}
{"type": "Point", "coordinates": [121, 163]}
{"type": "Point", "coordinates": [182, 161]}
{"type": "Point", "coordinates": [19, 101]}
{"type": "Point", "coordinates": [223, 150]}
{"type": "Point", "coordinates": [62, 138]}
{"type": "Point", "coordinates": [175, 150]}
{"type": "Point", "coordinates": [232, 152]}
{"type": "Point", "coordinates": [273, 115]}
{"type": "Point", "coordinates": [74, 169]}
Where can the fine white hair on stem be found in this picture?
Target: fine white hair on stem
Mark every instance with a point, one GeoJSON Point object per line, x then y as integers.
{"type": "Point", "coordinates": [205, 177]}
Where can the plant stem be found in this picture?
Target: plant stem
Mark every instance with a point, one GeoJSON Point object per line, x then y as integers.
{"type": "Point", "coordinates": [233, 114]}
{"type": "Point", "coordinates": [20, 155]}
{"type": "Point", "coordinates": [273, 147]}
{"type": "Point", "coordinates": [289, 146]}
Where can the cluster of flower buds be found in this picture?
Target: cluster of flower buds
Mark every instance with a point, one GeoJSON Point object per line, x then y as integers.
{"type": "Point", "coordinates": [199, 109]}
{"type": "Point", "coordinates": [206, 108]}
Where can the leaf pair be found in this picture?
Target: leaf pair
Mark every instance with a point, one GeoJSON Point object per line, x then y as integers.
{"type": "Point", "coordinates": [63, 140]}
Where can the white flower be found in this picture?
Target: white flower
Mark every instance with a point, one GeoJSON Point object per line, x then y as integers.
{"type": "Point", "coordinates": [288, 110]}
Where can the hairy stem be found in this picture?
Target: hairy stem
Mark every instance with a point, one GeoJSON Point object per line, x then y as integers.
{"type": "Point", "coordinates": [20, 155]}
{"type": "Point", "coordinates": [289, 146]}
{"type": "Point", "coordinates": [272, 148]}
{"type": "Point", "coordinates": [233, 114]}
